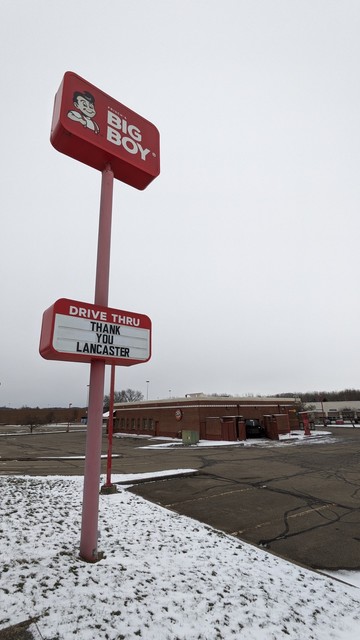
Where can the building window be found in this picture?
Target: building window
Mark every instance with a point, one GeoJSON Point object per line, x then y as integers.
{"type": "Point", "coordinates": [133, 423]}
{"type": "Point", "coordinates": [151, 424]}
{"type": "Point", "coordinates": [144, 424]}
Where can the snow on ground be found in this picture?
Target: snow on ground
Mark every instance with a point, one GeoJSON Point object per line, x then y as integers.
{"type": "Point", "coordinates": [352, 577]}
{"type": "Point", "coordinates": [164, 576]}
{"type": "Point", "coordinates": [293, 437]}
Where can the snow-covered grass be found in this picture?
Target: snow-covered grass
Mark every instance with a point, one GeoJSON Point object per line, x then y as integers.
{"type": "Point", "coordinates": [164, 576]}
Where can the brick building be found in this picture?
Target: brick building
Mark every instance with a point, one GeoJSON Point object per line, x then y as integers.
{"type": "Point", "coordinates": [213, 418]}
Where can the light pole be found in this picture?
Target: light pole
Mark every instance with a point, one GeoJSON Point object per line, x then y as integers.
{"type": "Point", "coordinates": [147, 389]}
{"type": "Point", "coordinates": [68, 427]}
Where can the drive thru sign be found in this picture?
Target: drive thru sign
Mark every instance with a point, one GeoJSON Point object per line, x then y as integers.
{"type": "Point", "coordinates": [83, 332]}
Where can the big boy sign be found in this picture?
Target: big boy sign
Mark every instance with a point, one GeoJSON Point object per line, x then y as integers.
{"type": "Point", "coordinates": [95, 129]}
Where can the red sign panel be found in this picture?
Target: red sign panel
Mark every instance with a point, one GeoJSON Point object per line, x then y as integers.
{"type": "Point", "coordinates": [95, 129]}
{"type": "Point", "coordinates": [82, 332]}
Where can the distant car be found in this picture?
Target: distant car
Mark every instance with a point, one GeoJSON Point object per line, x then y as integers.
{"type": "Point", "coordinates": [254, 429]}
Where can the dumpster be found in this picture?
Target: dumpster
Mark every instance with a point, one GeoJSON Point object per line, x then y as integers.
{"type": "Point", "coordinates": [190, 437]}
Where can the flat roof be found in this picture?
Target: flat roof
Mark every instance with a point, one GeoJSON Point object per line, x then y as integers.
{"type": "Point", "coordinates": [200, 399]}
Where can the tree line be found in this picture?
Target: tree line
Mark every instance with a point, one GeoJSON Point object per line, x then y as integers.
{"type": "Point", "coordinates": [323, 396]}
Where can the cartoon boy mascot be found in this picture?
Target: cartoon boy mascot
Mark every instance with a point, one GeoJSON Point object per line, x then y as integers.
{"type": "Point", "coordinates": [85, 103]}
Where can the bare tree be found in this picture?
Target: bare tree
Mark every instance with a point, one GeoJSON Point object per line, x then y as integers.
{"type": "Point", "coordinates": [32, 421]}
{"type": "Point", "coordinates": [126, 395]}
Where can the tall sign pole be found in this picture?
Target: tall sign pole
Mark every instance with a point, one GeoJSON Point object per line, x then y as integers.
{"type": "Point", "coordinates": [89, 526]}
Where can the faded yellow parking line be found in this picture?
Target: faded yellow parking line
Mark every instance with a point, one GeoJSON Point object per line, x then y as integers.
{"type": "Point", "coordinates": [203, 498]}
{"type": "Point", "coordinates": [294, 515]}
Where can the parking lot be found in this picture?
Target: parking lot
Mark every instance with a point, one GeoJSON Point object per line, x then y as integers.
{"type": "Point", "coordinates": [300, 500]}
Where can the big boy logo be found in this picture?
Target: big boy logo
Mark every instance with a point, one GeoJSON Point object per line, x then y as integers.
{"type": "Point", "coordinates": [84, 111]}
{"type": "Point", "coordinates": [130, 137]}
{"type": "Point", "coordinates": [92, 127]}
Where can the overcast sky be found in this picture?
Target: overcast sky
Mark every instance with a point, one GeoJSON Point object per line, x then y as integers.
{"type": "Point", "coordinates": [245, 251]}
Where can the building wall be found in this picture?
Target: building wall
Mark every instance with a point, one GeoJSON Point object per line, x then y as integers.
{"type": "Point", "coordinates": [206, 416]}
{"type": "Point", "coordinates": [156, 421]}
{"type": "Point", "coordinates": [334, 406]}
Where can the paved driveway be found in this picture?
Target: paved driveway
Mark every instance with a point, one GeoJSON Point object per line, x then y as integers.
{"type": "Point", "coordinates": [301, 501]}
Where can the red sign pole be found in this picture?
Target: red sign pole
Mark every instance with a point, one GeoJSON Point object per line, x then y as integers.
{"type": "Point", "coordinates": [90, 510]}
{"type": "Point", "coordinates": [108, 485]}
